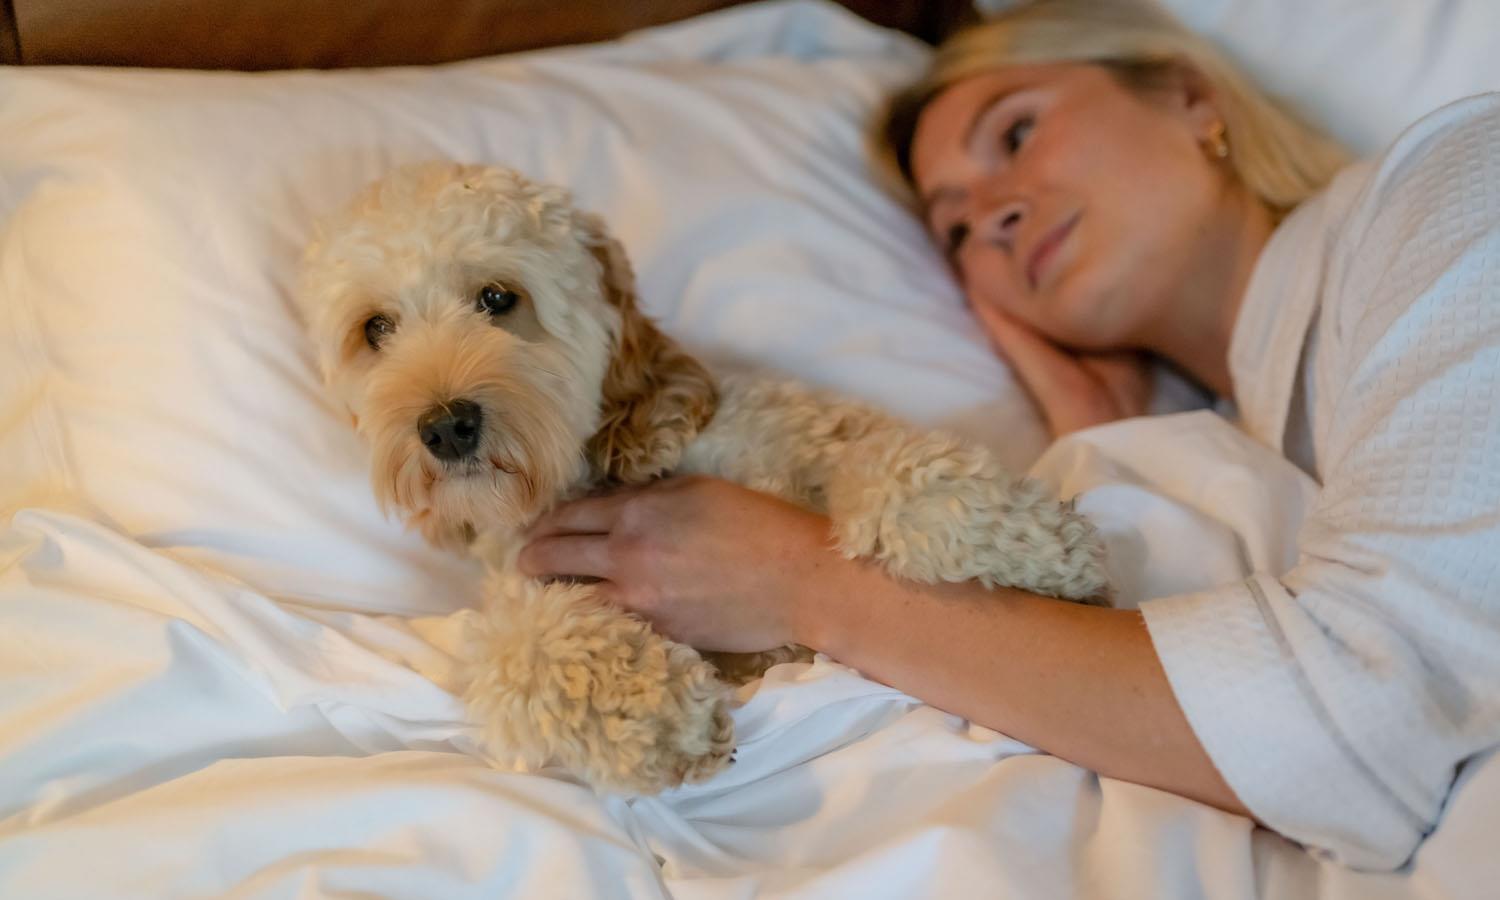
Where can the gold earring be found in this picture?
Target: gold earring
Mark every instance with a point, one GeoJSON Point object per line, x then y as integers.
{"type": "Point", "coordinates": [1218, 141]}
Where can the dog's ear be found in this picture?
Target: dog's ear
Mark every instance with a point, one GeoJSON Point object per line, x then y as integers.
{"type": "Point", "coordinates": [656, 398]}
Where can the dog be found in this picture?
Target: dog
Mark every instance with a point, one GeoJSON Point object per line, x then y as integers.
{"type": "Point", "coordinates": [486, 340]}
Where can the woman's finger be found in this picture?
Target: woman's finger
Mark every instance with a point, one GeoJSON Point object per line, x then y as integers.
{"type": "Point", "coordinates": [589, 515]}
{"type": "Point", "coordinates": [620, 598]}
{"type": "Point", "coordinates": [1048, 372]}
{"type": "Point", "coordinates": [574, 555]}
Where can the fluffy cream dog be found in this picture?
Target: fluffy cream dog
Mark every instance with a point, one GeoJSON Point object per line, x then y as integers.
{"type": "Point", "coordinates": [485, 337]}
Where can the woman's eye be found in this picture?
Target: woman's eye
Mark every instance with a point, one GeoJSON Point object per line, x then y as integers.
{"type": "Point", "coordinates": [954, 238]}
{"type": "Point", "coordinates": [378, 329]}
{"type": "Point", "coordinates": [1017, 133]}
{"type": "Point", "coordinates": [497, 300]}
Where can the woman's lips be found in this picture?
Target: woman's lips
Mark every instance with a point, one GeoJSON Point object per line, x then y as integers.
{"type": "Point", "coordinates": [1046, 250]}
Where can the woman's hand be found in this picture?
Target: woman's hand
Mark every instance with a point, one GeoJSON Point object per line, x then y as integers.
{"type": "Point", "coordinates": [707, 562]}
{"type": "Point", "coordinates": [1073, 390]}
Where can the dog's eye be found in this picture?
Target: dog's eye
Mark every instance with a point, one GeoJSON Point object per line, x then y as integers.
{"type": "Point", "coordinates": [497, 300]}
{"type": "Point", "coordinates": [378, 329]}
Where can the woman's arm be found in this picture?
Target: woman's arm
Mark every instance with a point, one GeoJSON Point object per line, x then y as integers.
{"type": "Point", "coordinates": [721, 567]}
{"type": "Point", "coordinates": [1080, 682]}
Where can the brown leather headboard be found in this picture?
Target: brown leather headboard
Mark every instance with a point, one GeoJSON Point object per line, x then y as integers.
{"type": "Point", "coordinates": [10, 39]}
{"type": "Point", "coordinates": [281, 34]}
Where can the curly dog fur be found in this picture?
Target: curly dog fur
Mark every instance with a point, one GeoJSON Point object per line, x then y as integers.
{"type": "Point", "coordinates": [476, 299]}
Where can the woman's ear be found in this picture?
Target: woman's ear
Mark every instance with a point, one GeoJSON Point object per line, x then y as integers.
{"type": "Point", "coordinates": [656, 398]}
{"type": "Point", "coordinates": [1192, 97]}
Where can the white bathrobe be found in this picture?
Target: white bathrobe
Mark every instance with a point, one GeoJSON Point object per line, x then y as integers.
{"type": "Point", "coordinates": [1338, 698]}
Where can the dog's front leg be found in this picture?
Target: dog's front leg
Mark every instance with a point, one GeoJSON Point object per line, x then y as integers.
{"type": "Point", "coordinates": [559, 676]}
{"type": "Point", "coordinates": [927, 505]}
{"type": "Point", "coordinates": [933, 508]}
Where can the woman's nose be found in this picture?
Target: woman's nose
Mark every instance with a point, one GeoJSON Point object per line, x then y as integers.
{"type": "Point", "coordinates": [1001, 223]}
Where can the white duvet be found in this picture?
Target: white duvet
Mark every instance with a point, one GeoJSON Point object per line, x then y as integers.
{"type": "Point", "coordinates": [167, 732]}
{"type": "Point", "coordinates": [223, 674]}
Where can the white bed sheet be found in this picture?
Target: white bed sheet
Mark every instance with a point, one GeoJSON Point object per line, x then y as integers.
{"type": "Point", "coordinates": [167, 732]}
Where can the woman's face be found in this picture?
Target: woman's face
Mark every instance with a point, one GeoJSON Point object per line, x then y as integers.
{"type": "Point", "coordinates": [1066, 199]}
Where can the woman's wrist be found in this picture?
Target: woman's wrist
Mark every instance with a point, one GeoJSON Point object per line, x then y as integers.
{"type": "Point", "coordinates": [822, 613]}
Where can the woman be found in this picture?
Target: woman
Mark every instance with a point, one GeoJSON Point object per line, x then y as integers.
{"type": "Point", "coordinates": [1108, 189]}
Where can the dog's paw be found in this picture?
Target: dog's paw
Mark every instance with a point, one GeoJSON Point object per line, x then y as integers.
{"type": "Point", "coordinates": [940, 511]}
{"type": "Point", "coordinates": [560, 677]}
{"type": "Point", "coordinates": [709, 751]}
{"type": "Point", "coordinates": [684, 735]}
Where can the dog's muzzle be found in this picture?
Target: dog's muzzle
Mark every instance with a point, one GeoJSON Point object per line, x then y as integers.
{"type": "Point", "coordinates": [450, 431]}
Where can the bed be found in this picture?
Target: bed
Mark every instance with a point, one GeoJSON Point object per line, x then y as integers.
{"type": "Point", "coordinates": [224, 673]}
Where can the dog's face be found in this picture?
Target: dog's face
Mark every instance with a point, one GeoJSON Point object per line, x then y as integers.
{"type": "Point", "coordinates": [482, 334]}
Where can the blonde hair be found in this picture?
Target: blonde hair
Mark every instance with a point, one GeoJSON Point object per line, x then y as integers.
{"type": "Point", "coordinates": [1278, 156]}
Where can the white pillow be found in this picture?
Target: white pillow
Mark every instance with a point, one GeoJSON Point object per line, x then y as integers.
{"type": "Point", "coordinates": [151, 365]}
{"type": "Point", "coordinates": [1363, 69]}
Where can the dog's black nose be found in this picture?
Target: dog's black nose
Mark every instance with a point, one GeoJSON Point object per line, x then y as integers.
{"type": "Point", "coordinates": [450, 431]}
